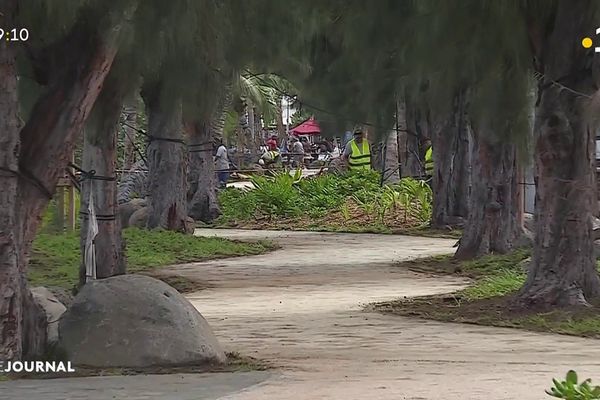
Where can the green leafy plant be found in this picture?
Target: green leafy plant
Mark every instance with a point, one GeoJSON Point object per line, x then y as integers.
{"type": "Point", "coordinates": [570, 389]}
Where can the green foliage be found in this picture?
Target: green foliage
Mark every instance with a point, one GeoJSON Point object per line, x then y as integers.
{"type": "Point", "coordinates": [570, 389]}
{"type": "Point", "coordinates": [56, 258]}
{"type": "Point", "coordinates": [286, 196]}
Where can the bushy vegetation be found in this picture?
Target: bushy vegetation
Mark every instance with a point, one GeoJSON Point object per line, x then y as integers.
{"type": "Point", "coordinates": [56, 257]}
{"type": "Point", "coordinates": [345, 198]}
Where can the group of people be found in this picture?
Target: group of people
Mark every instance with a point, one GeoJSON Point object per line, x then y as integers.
{"type": "Point", "coordinates": [356, 154]}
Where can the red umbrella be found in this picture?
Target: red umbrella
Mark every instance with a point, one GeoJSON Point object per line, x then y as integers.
{"type": "Point", "coordinates": [308, 127]}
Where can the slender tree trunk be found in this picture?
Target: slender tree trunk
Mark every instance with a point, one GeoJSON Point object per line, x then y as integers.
{"type": "Point", "coordinates": [12, 275]}
{"type": "Point", "coordinates": [279, 118]}
{"type": "Point", "coordinates": [167, 163]}
{"type": "Point", "coordinates": [130, 116]}
{"type": "Point", "coordinates": [563, 268]}
{"type": "Point", "coordinates": [493, 224]}
{"type": "Point", "coordinates": [203, 204]}
{"type": "Point", "coordinates": [391, 166]}
{"type": "Point", "coordinates": [100, 155]}
{"type": "Point", "coordinates": [450, 143]}
{"type": "Point", "coordinates": [45, 149]}
{"type": "Point", "coordinates": [409, 138]}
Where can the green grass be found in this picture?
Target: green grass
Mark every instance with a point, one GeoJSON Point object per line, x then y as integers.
{"type": "Point", "coordinates": [55, 258]}
{"type": "Point", "coordinates": [501, 283]}
{"type": "Point", "coordinates": [488, 299]}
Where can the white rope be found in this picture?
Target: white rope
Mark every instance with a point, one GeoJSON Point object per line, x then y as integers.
{"type": "Point", "coordinates": [92, 232]}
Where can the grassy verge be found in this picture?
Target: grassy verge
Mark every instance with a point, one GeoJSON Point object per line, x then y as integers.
{"type": "Point", "coordinates": [489, 298]}
{"type": "Point", "coordinates": [55, 258]}
{"type": "Point", "coordinates": [378, 228]}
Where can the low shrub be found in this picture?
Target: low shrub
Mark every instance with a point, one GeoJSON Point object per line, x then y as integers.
{"type": "Point", "coordinates": [285, 195]}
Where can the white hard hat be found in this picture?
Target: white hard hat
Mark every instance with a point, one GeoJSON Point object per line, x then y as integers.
{"type": "Point", "coordinates": [261, 161]}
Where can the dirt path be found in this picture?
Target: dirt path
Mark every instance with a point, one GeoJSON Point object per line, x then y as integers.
{"type": "Point", "coordinates": [300, 308]}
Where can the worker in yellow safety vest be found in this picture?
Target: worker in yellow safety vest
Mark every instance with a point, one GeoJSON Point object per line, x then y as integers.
{"type": "Point", "coordinates": [358, 152]}
{"type": "Point", "coordinates": [428, 158]}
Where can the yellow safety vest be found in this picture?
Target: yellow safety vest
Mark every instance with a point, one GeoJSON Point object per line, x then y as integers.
{"type": "Point", "coordinates": [360, 158]}
{"type": "Point", "coordinates": [429, 161]}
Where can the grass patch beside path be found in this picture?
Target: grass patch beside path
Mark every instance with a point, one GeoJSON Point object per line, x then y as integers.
{"type": "Point", "coordinates": [55, 258]}
{"type": "Point", "coordinates": [488, 300]}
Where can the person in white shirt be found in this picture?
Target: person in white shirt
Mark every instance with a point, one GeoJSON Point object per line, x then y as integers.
{"type": "Point", "coordinates": [222, 165]}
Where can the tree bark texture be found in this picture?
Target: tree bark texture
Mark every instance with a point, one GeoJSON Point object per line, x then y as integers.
{"type": "Point", "coordinates": [100, 155]}
{"type": "Point", "coordinates": [563, 269]}
{"type": "Point", "coordinates": [130, 117]}
{"type": "Point", "coordinates": [416, 127]}
{"type": "Point", "coordinates": [391, 165]}
{"type": "Point", "coordinates": [12, 275]}
{"type": "Point", "coordinates": [493, 224]}
{"type": "Point", "coordinates": [45, 149]}
{"type": "Point", "coordinates": [167, 163]}
{"type": "Point", "coordinates": [450, 146]}
{"type": "Point", "coordinates": [203, 204]}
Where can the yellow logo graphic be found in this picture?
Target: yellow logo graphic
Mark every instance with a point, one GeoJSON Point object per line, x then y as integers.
{"type": "Point", "coordinates": [586, 42]}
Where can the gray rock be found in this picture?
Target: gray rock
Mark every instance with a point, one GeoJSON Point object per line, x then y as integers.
{"type": "Point", "coordinates": [529, 222]}
{"type": "Point", "coordinates": [126, 210]}
{"type": "Point", "coordinates": [136, 321]}
{"type": "Point", "coordinates": [190, 225]}
{"type": "Point", "coordinates": [63, 295]}
{"type": "Point", "coordinates": [53, 309]}
{"type": "Point", "coordinates": [139, 218]}
{"type": "Point", "coordinates": [597, 249]}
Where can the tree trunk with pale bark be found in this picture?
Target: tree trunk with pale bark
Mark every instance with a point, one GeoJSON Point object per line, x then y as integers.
{"type": "Point", "coordinates": [494, 221]}
{"type": "Point", "coordinates": [100, 155]}
{"type": "Point", "coordinates": [450, 144]}
{"type": "Point", "coordinates": [391, 167]}
{"type": "Point", "coordinates": [563, 268]}
{"type": "Point", "coordinates": [167, 162]}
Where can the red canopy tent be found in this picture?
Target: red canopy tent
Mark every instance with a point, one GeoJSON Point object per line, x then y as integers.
{"type": "Point", "coordinates": [308, 127]}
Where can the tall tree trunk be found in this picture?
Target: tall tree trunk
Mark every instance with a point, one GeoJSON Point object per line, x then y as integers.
{"type": "Point", "coordinates": [450, 144]}
{"type": "Point", "coordinates": [130, 117]}
{"type": "Point", "coordinates": [203, 204]}
{"type": "Point", "coordinates": [45, 149]}
{"type": "Point", "coordinates": [415, 128]}
{"type": "Point", "coordinates": [100, 155]}
{"type": "Point", "coordinates": [12, 275]}
{"type": "Point", "coordinates": [167, 163]}
{"type": "Point", "coordinates": [493, 224]}
{"type": "Point", "coordinates": [279, 118]}
{"type": "Point", "coordinates": [391, 167]}
{"type": "Point", "coordinates": [563, 269]}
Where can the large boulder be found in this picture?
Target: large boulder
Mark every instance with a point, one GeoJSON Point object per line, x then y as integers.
{"type": "Point", "coordinates": [136, 321]}
{"type": "Point", "coordinates": [52, 308]}
{"type": "Point", "coordinates": [139, 218]}
{"type": "Point", "coordinates": [126, 210]}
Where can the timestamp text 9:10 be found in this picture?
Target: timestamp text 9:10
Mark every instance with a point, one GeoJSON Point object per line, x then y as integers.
{"type": "Point", "coordinates": [14, 35]}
